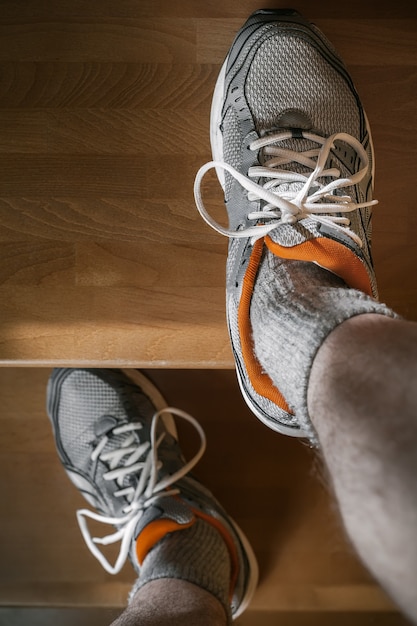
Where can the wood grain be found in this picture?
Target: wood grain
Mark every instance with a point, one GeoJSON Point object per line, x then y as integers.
{"type": "Point", "coordinates": [104, 118]}
{"type": "Point", "coordinates": [154, 85]}
{"type": "Point", "coordinates": [21, 10]}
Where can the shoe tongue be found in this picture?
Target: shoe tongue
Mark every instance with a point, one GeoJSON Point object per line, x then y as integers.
{"type": "Point", "coordinates": [295, 121]}
{"type": "Point", "coordinates": [169, 447]}
{"type": "Point", "coordinates": [294, 118]}
{"type": "Point", "coordinates": [297, 144]}
{"type": "Point", "coordinates": [104, 425]}
{"type": "Point", "coordinates": [168, 514]}
{"type": "Point", "coordinates": [168, 508]}
{"type": "Point", "coordinates": [286, 235]}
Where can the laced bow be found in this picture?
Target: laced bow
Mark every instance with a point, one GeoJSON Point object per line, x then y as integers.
{"type": "Point", "coordinates": [287, 202]}
{"type": "Point", "coordinates": [141, 460]}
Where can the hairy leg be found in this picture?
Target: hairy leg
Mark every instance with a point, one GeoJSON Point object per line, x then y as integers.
{"type": "Point", "coordinates": [172, 602]}
{"type": "Point", "coordinates": [362, 399]}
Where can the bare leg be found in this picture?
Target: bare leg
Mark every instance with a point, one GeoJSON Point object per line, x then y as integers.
{"type": "Point", "coordinates": [302, 293]}
{"type": "Point", "coordinates": [172, 602]}
{"type": "Point", "coordinates": [362, 399]}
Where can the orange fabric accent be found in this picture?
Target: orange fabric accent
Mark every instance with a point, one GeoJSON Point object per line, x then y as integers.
{"type": "Point", "coordinates": [154, 532]}
{"type": "Point", "coordinates": [331, 255]}
{"type": "Point", "coordinates": [261, 382]}
{"type": "Point", "coordinates": [230, 544]}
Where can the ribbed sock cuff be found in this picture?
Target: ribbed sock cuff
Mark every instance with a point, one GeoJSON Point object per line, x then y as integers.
{"type": "Point", "coordinates": [295, 306]}
{"type": "Point", "coordinates": [197, 555]}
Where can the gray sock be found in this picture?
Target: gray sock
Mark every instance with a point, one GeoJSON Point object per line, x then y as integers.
{"type": "Point", "coordinates": [295, 305]}
{"type": "Point", "coordinates": [197, 554]}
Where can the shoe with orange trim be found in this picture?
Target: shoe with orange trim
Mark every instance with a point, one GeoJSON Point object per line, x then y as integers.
{"type": "Point", "coordinates": [293, 152]}
{"type": "Point", "coordinates": [117, 441]}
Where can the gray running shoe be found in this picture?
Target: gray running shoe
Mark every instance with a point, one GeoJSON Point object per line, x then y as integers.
{"type": "Point", "coordinates": [117, 441]}
{"type": "Point", "coordinates": [293, 152]}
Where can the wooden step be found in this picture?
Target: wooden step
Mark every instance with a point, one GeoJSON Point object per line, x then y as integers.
{"type": "Point", "coordinates": [104, 119]}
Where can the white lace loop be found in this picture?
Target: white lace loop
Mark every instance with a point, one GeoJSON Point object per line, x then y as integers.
{"type": "Point", "coordinates": [146, 491]}
{"type": "Point", "coordinates": [284, 205]}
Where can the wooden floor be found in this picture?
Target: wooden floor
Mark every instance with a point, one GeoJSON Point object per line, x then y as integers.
{"type": "Point", "coordinates": [104, 115]}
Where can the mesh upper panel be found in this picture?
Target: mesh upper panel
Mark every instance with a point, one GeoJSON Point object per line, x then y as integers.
{"type": "Point", "coordinates": [310, 86]}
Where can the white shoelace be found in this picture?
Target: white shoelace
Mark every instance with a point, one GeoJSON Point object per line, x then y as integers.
{"type": "Point", "coordinates": [147, 490]}
{"type": "Point", "coordinates": [288, 207]}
